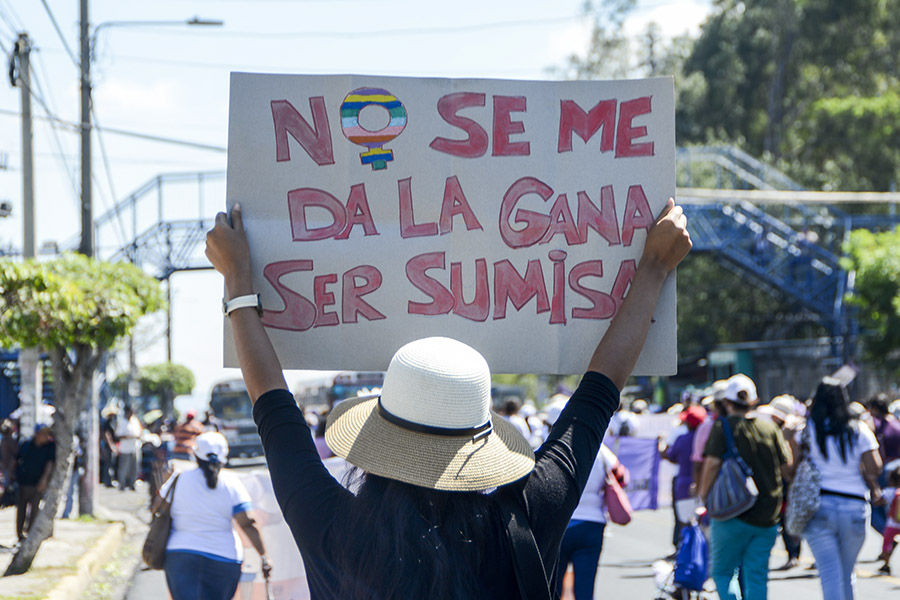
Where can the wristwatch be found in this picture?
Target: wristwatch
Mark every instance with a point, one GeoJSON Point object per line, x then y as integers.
{"type": "Point", "coordinates": [248, 301]}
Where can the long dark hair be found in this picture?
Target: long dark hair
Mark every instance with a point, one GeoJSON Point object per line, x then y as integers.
{"type": "Point", "coordinates": [830, 415]}
{"type": "Point", "coordinates": [210, 471]}
{"type": "Point", "coordinates": [425, 543]}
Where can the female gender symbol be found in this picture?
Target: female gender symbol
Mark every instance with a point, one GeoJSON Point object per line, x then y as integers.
{"type": "Point", "coordinates": [376, 155]}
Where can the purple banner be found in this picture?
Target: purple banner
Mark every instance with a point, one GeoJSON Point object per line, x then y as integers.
{"type": "Point", "coordinates": [641, 457]}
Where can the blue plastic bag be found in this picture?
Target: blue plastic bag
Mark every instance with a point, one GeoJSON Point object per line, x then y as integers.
{"type": "Point", "coordinates": [692, 559]}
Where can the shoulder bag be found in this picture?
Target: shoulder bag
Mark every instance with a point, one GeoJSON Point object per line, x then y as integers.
{"type": "Point", "coordinates": [734, 492]}
{"type": "Point", "coordinates": [804, 494]}
{"type": "Point", "coordinates": [154, 550]}
{"type": "Point", "coordinates": [531, 576]}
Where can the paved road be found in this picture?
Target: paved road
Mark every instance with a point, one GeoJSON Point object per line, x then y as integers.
{"type": "Point", "coordinates": [627, 566]}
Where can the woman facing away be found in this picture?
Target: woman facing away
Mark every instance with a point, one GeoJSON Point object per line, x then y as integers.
{"type": "Point", "coordinates": [204, 553]}
{"type": "Point", "coordinates": [846, 455]}
{"type": "Point", "coordinates": [438, 470]}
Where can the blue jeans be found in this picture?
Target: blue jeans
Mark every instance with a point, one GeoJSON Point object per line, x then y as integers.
{"type": "Point", "coordinates": [194, 577]}
{"type": "Point", "coordinates": [581, 546]}
{"type": "Point", "coordinates": [735, 544]}
{"type": "Point", "coordinates": [835, 535]}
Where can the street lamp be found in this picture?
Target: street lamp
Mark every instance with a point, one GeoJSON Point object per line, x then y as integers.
{"type": "Point", "coordinates": [88, 42]}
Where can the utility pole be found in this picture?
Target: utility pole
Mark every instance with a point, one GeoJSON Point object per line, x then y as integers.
{"type": "Point", "coordinates": [87, 221]}
{"type": "Point", "coordinates": [30, 372]}
{"type": "Point", "coordinates": [90, 439]}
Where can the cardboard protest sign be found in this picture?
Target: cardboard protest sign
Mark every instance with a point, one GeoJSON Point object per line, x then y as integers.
{"type": "Point", "coordinates": [509, 215]}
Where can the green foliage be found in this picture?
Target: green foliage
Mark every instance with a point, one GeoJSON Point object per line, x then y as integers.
{"type": "Point", "coordinates": [166, 379]}
{"type": "Point", "coordinates": [717, 306]}
{"type": "Point", "coordinates": [875, 258]}
{"type": "Point", "coordinates": [811, 84]}
{"type": "Point", "coordinates": [849, 143]}
{"type": "Point", "coordinates": [73, 300]}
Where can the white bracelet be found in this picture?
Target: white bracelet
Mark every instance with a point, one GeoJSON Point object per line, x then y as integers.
{"type": "Point", "coordinates": [249, 301]}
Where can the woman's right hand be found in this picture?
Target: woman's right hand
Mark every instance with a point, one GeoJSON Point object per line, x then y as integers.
{"type": "Point", "coordinates": [668, 241]}
{"type": "Point", "coordinates": [227, 248]}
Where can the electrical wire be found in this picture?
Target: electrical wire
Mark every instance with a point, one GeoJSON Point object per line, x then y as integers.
{"type": "Point", "coordinates": [106, 167]}
{"type": "Point", "coordinates": [54, 126]}
{"type": "Point", "coordinates": [59, 32]}
{"type": "Point", "coordinates": [413, 31]}
{"type": "Point", "coordinates": [75, 127]}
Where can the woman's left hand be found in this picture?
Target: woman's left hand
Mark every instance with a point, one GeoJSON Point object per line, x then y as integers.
{"type": "Point", "coordinates": [227, 248]}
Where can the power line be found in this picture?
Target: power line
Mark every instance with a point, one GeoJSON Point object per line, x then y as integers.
{"type": "Point", "coordinates": [59, 32]}
{"type": "Point", "coordinates": [414, 31]}
{"type": "Point", "coordinates": [123, 232]}
{"type": "Point", "coordinates": [75, 127]}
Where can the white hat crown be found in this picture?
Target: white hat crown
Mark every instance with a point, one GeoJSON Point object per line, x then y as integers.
{"type": "Point", "coordinates": [211, 446]}
{"type": "Point", "coordinates": [438, 382]}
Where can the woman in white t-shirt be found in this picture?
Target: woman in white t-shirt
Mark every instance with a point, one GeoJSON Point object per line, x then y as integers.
{"type": "Point", "coordinates": [846, 455]}
{"type": "Point", "coordinates": [583, 540]}
{"type": "Point", "coordinates": [204, 552]}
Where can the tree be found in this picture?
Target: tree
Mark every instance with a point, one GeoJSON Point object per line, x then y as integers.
{"type": "Point", "coordinates": [75, 308]}
{"type": "Point", "coordinates": [165, 380]}
{"type": "Point", "coordinates": [765, 78]}
{"type": "Point", "coordinates": [875, 259]}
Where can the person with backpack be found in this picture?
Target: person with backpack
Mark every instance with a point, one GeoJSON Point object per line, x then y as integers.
{"type": "Point", "coordinates": [745, 541]}
{"type": "Point", "coordinates": [452, 501]}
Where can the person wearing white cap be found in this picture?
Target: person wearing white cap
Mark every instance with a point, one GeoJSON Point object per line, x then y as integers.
{"type": "Point", "coordinates": [204, 553]}
{"type": "Point", "coordinates": [453, 502]}
{"type": "Point", "coordinates": [745, 541]}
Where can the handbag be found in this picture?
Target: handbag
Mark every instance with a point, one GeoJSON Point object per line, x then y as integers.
{"type": "Point", "coordinates": [154, 549]}
{"type": "Point", "coordinates": [734, 491]}
{"type": "Point", "coordinates": [804, 494]}
{"type": "Point", "coordinates": [692, 559]}
{"type": "Point", "coordinates": [531, 576]}
{"type": "Point", "coordinates": [618, 506]}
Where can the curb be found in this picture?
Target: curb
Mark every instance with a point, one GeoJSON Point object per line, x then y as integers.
{"type": "Point", "coordinates": [71, 586]}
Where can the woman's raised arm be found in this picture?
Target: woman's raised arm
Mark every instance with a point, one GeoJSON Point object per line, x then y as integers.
{"type": "Point", "coordinates": [229, 252]}
{"type": "Point", "coordinates": [668, 242]}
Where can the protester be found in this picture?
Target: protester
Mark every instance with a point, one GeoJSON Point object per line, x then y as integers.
{"type": "Point", "coordinates": [679, 453]}
{"type": "Point", "coordinates": [624, 422]}
{"type": "Point", "coordinates": [204, 553]}
{"type": "Point", "coordinates": [74, 481]}
{"type": "Point", "coordinates": [781, 411]}
{"type": "Point", "coordinates": [108, 446]}
{"type": "Point", "coordinates": [886, 427]}
{"type": "Point", "coordinates": [892, 527]}
{"type": "Point", "coordinates": [211, 422]}
{"type": "Point", "coordinates": [36, 458]}
{"type": "Point", "coordinates": [510, 412]}
{"type": "Point", "coordinates": [583, 540]}
{"type": "Point", "coordinates": [846, 456]}
{"type": "Point", "coordinates": [185, 434]}
{"type": "Point", "coordinates": [887, 431]}
{"type": "Point", "coordinates": [128, 434]}
{"type": "Point", "coordinates": [746, 541]}
{"type": "Point", "coordinates": [715, 408]}
{"type": "Point", "coordinates": [8, 452]}
{"type": "Point", "coordinates": [422, 524]}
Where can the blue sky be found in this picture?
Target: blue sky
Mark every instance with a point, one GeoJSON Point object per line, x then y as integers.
{"type": "Point", "coordinates": [172, 81]}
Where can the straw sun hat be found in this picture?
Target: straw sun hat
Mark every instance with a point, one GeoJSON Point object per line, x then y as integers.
{"type": "Point", "coordinates": [432, 425]}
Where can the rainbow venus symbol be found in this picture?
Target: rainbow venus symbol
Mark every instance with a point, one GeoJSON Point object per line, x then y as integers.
{"type": "Point", "coordinates": [358, 99]}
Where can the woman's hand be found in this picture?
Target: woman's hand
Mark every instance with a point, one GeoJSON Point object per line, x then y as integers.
{"type": "Point", "coordinates": [668, 241]}
{"type": "Point", "coordinates": [228, 251]}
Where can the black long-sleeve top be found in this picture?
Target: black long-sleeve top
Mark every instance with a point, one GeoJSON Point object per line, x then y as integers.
{"type": "Point", "coordinates": [313, 502]}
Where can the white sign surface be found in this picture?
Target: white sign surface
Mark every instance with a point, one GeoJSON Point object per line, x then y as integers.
{"type": "Point", "coordinates": [506, 214]}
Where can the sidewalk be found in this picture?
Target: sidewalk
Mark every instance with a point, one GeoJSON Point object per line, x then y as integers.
{"type": "Point", "coordinates": [90, 559]}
